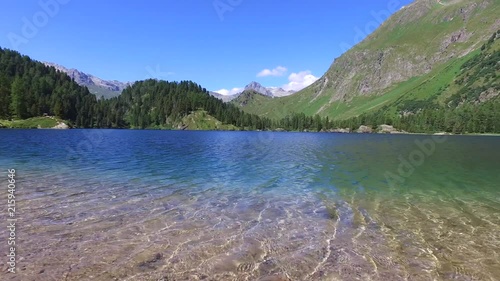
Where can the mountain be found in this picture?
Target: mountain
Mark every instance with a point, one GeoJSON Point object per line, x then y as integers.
{"type": "Point", "coordinates": [224, 98]}
{"type": "Point", "coordinates": [258, 88]}
{"type": "Point", "coordinates": [250, 96]}
{"type": "Point", "coordinates": [413, 55]}
{"type": "Point", "coordinates": [280, 92]}
{"type": "Point", "coordinates": [96, 85]}
{"type": "Point", "coordinates": [270, 91]}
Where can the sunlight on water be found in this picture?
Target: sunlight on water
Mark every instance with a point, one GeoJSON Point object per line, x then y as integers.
{"type": "Point", "coordinates": [151, 205]}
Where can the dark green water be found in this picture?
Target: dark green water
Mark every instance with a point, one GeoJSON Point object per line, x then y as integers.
{"type": "Point", "coordinates": [157, 205]}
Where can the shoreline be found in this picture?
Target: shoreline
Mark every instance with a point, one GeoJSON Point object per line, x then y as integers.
{"type": "Point", "coordinates": [54, 123]}
{"type": "Point", "coordinates": [271, 131]}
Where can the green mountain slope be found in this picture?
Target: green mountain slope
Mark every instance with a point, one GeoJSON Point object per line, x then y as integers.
{"type": "Point", "coordinates": [462, 96]}
{"type": "Point", "coordinates": [416, 53]}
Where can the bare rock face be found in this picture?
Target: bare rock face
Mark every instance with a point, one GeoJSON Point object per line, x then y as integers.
{"type": "Point", "coordinates": [259, 89]}
{"type": "Point", "coordinates": [488, 95]}
{"type": "Point", "coordinates": [456, 37]}
{"type": "Point", "coordinates": [85, 79]}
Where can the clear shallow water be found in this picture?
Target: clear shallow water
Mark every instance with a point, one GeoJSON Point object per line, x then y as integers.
{"type": "Point", "coordinates": [159, 205]}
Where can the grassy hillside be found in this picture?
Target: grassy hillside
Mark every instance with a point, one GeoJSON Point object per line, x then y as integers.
{"type": "Point", "coordinates": [415, 54]}
{"type": "Point", "coordinates": [32, 123]}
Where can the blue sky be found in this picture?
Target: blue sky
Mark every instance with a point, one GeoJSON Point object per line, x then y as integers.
{"type": "Point", "coordinates": [220, 44]}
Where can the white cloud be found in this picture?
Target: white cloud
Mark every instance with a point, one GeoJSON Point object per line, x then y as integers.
{"type": "Point", "coordinates": [226, 92]}
{"type": "Point", "coordinates": [298, 81]}
{"type": "Point", "coordinates": [278, 71]}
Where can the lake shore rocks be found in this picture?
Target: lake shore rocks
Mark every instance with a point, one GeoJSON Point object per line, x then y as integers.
{"type": "Point", "coordinates": [388, 129]}
{"type": "Point", "coordinates": [364, 130]}
{"type": "Point", "coordinates": [341, 130]}
{"type": "Point", "coordinates": [61, 126]}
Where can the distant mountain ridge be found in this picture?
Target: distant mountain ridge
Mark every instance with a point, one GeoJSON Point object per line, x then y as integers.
{"type": "Point", "coordinates": [280, 92]}
{"type": "Point", "coordinates": [256, 87]}
{"type": "Point", "coordinates": [259, 89]}
{"type": "Point", "coordinates": [224, 98]}
{"type": "Point", "coordinates": [96, 85]}
{"type": "Point", "coordinates": [268, 91]}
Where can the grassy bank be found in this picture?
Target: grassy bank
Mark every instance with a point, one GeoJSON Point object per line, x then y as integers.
{"type": "Point", "coordinates": [31, 123]}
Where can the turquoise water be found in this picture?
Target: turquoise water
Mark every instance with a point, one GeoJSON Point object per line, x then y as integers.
{"type": "Point", "coordinates": [161, 205]}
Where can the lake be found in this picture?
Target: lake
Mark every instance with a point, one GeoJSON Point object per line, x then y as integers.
{"type": "Point", "coordinates": [181, 205]}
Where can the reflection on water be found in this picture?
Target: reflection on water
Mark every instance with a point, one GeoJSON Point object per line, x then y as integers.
{"type": "Point", "coordinates": [252, 206]}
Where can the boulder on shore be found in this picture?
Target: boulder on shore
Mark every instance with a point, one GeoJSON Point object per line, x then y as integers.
{"type": "Point", "coordinates": [386, 129]}
{"type": "Point", "coordinates": [364, 130]}
{"type": "Point", "coordinates": [61, 126]}
{"type": "Point", "coordinates": [341, 130]}
{"type": "Point", "coordinates": [182, 127]}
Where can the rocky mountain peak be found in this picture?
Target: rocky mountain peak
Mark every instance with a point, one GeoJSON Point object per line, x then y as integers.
{"type": "Point", "coordinates": [95, 84]}
{"type": "Point", "coordinates": [258, 88]}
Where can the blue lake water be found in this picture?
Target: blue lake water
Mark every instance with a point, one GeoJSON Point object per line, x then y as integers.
{"type": "Point", "coordinates": [180, 205]}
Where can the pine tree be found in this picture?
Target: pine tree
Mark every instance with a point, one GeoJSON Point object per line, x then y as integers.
{"type": "Point", "coordinates": [18, 104]}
